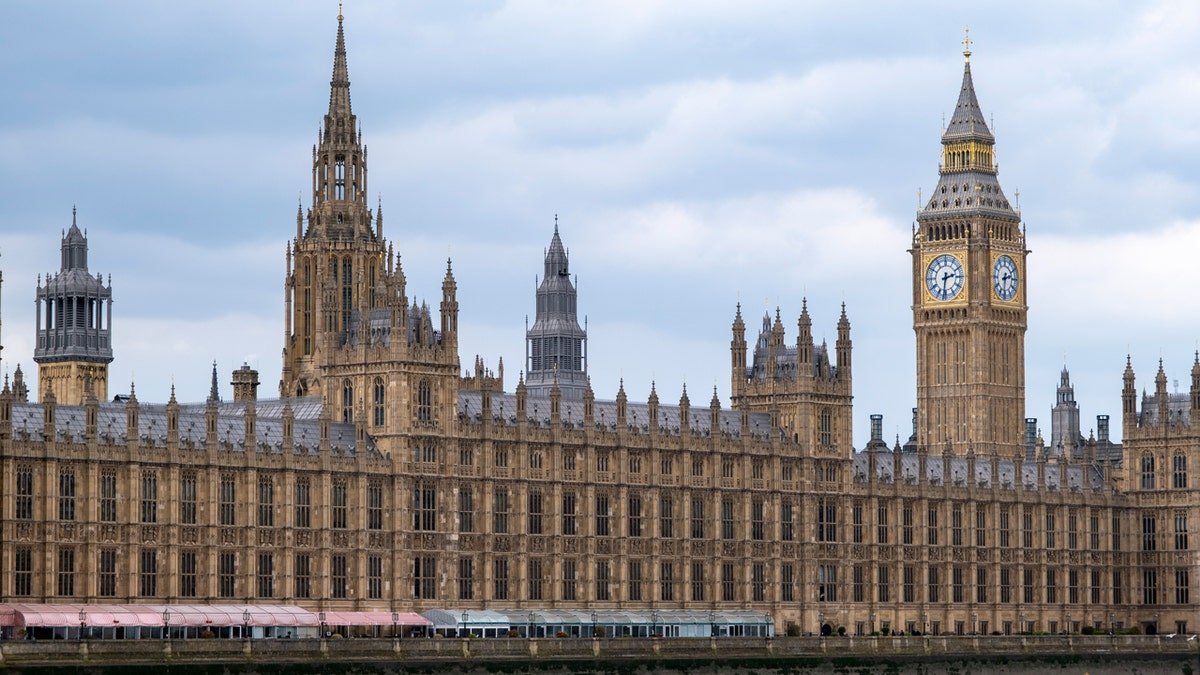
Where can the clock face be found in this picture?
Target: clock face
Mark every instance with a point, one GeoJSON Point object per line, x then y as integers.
{"type": "Point", "coordinates": [944, 278]}
{"type": "Point", "coordinates": [1004, 278]}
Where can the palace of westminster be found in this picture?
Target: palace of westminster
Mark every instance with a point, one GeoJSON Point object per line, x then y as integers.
{"type": "Point", "coordinates": [385, 478]}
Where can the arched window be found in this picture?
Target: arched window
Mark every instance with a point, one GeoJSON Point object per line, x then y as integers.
{"type": "Point", "coordinates": [424, 402]}
{"type": "Point", "coordinates": [371, 280]}
{"type": "Point", "coordinates": [379, 393]}
{"type": "Point", "coordinates": [306, 321]}
{"type": "Point", "coordinates": [347, 292]}
{"type": "Point", "coordinates": [825, 428]}
{"type": "Point", "coordinates": [340, 178]}
{"type": "Point", "coordinates": [347, 401]}
{"type": "Point", "coordinates": [1147, 472]}
{"type": "Point", "coordinates": [1180, 469]}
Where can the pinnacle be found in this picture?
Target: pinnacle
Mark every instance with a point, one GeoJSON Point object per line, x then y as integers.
{"type": "Point", "coordinates": [339, 85]}
{"type": "Point", "coordinates": [967, 119]}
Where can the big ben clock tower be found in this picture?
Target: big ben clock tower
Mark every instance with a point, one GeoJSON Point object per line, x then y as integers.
{"type": "Point", "coordinates": [969, 302]}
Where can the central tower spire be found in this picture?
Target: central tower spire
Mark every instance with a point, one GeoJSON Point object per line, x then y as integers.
{"type": "Point", "coordinates": [337, 262]}
{"type": "Point", "coordinates": [556, 347]}
{"type": "Point", "coordinates": [340, 158]}
{"type": "Point", "coordinates": [339, 86]}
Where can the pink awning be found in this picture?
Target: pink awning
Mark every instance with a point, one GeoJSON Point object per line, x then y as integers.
{"type": "Point", "coordinates": [98, 616]}
{"type": "Point", "coordinates": [375, 619]}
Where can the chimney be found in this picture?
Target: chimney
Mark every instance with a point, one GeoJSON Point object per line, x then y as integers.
{"type": "Point", "coordinates": [1102, 428]}
{"type": "Point", "coordinates": [245, 383]}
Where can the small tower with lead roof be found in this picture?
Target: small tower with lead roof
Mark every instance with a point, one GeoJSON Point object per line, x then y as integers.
{"type": "Point", "coordinates": [74, 326]}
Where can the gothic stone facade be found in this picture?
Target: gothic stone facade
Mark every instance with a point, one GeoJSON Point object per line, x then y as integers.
{"type": "Point", "coordinates": [385, 479]}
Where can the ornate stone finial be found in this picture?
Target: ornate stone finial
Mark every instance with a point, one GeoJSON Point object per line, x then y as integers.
{"type": "Point", "coordinates": [966, 43]}
{"type": "Point", "coordinates": [339, 11]}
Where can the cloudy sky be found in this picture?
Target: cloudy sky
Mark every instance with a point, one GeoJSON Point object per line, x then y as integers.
{"type": "Point", "coordinates": [698, 154]}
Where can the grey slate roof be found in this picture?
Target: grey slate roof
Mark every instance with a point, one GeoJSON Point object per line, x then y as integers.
{"type": "Point", "coordinates": [537, 411]}
{"type": "Point", "coordinates": [967, 121]}
{"type": "Point", "coordinates": [954, 471]}
{"type": "Point", "coordinates": [152, 425]}
{"type": "Point", "coordinates": [1179, 407]}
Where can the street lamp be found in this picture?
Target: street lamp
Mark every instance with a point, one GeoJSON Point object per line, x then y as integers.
{"type": "Point", "coordinates": [395, 620]}
{"type": "Point", "coordinates": [712, 622]}
{"type": "Point", "coordinates": [924, 623]}
{"type": "Point", "coordinates": [531, 619]}
{"type": "Point", "coordinates": [1021, 623]}
{"type": "Point", "coordinates": [321, 618]}
{"type": "Point", "coordinates": [872, 622]}
{"type": "Point", "coordinates": [821, 624]}
{"type": "Point", "coordinates": [246, 624]}
{"type": "Point", "coordinates": [166, 622]}
{"type": "Point", "coordinates": [465, 618]}
{"type": "Point", "coordinates": [1068, 626]}
{"type": "Point", "coordinates": [654, 623]}
{"type": "Point", "coordinates": [974, 623]}
{"type": "Point", "coordinates": [593, 623]}
{"type": "Point", "coordinates": [1112, 623]}
{"type": "Point", "coordinates": [82, 622]}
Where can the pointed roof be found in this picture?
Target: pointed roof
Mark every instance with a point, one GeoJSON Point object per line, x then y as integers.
{"type": "Point", "coordinates": [339, 85]}
{"type": "Point", "coordinates": [74, 246]}
{"type": "Point", "coordinates": [967, 121]}
{"type": "Point", "coordinates": [214, 394]}
{"type": "Point", "coordinates": [74, 234]}
{"type": "Point", "coordinates": [556, 255]}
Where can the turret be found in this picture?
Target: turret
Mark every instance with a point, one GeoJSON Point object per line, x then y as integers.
{"type": "Point", "coordinates": [589, 406]}
{"type": "Point", "coordinates": [622, 406]}
{"type": "Point", "coordinates": [714, 411]}
{"type": "Point", "coordinates": [685, 409]}
{"type": "Point", "coordinates": [131, 416]}
{"type": "Point", "coordinates": [1128, 398]}
{"type": "Point", "coordinates": [1160, 391]}
{"type": "Point", "coordinates": [1195, 391]}
{"type": "Point", "coordinates": [737, 354]}
{"type": "Point", "coordinates": [1064, 417]}
{"type": "Point", "coordinates": [49, 405]}
{"type": "Point", "coordinates": [91, 413]}
{"type": "Point", "coordinates": [289, 420]}
{"type": "Point", "coordinates": [843, 346]}
{"type": "Point", "coordinates": [774, 346]}
{"type": "Point", "coordinates": [74, 334]}
{"type": "Point", "coordinates": [555, 403]}
{"type": "Point", "coordinates": [449, 310]}
{"type": "Point", "coordinates": [804, 342]}
{"type": "Point", "coordinates": [522, 398]}
{"type": "Point", "coordinates": [20, 390]}
{"type": "Point", "coordinates": [556, 346]}
{"type": "Point", "coordinates": [652, 406]}
{"type": "Point", "coordinates": [6, 406]}
{"type": "Point", "coordinates": [172, 420]}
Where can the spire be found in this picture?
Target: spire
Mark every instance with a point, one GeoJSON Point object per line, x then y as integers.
{"type": "Point", "coordinates": [556, 255]}
{"type": "Point", "coordinates": [968, 172]}
{"type": "Point", "coordinates": [339, 86]}
{"type": "Point", "coordinates": [556, 345]}
{"type": "Point", "coordinates": [214, 394]}
{"type": "Point", "coordinates": [74, 246]}
{"type": "Point", "coordinates": [967, 120]}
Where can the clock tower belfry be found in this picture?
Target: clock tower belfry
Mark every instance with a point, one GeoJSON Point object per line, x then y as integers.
{"type": "Point", "coordinates": [969, 303]}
